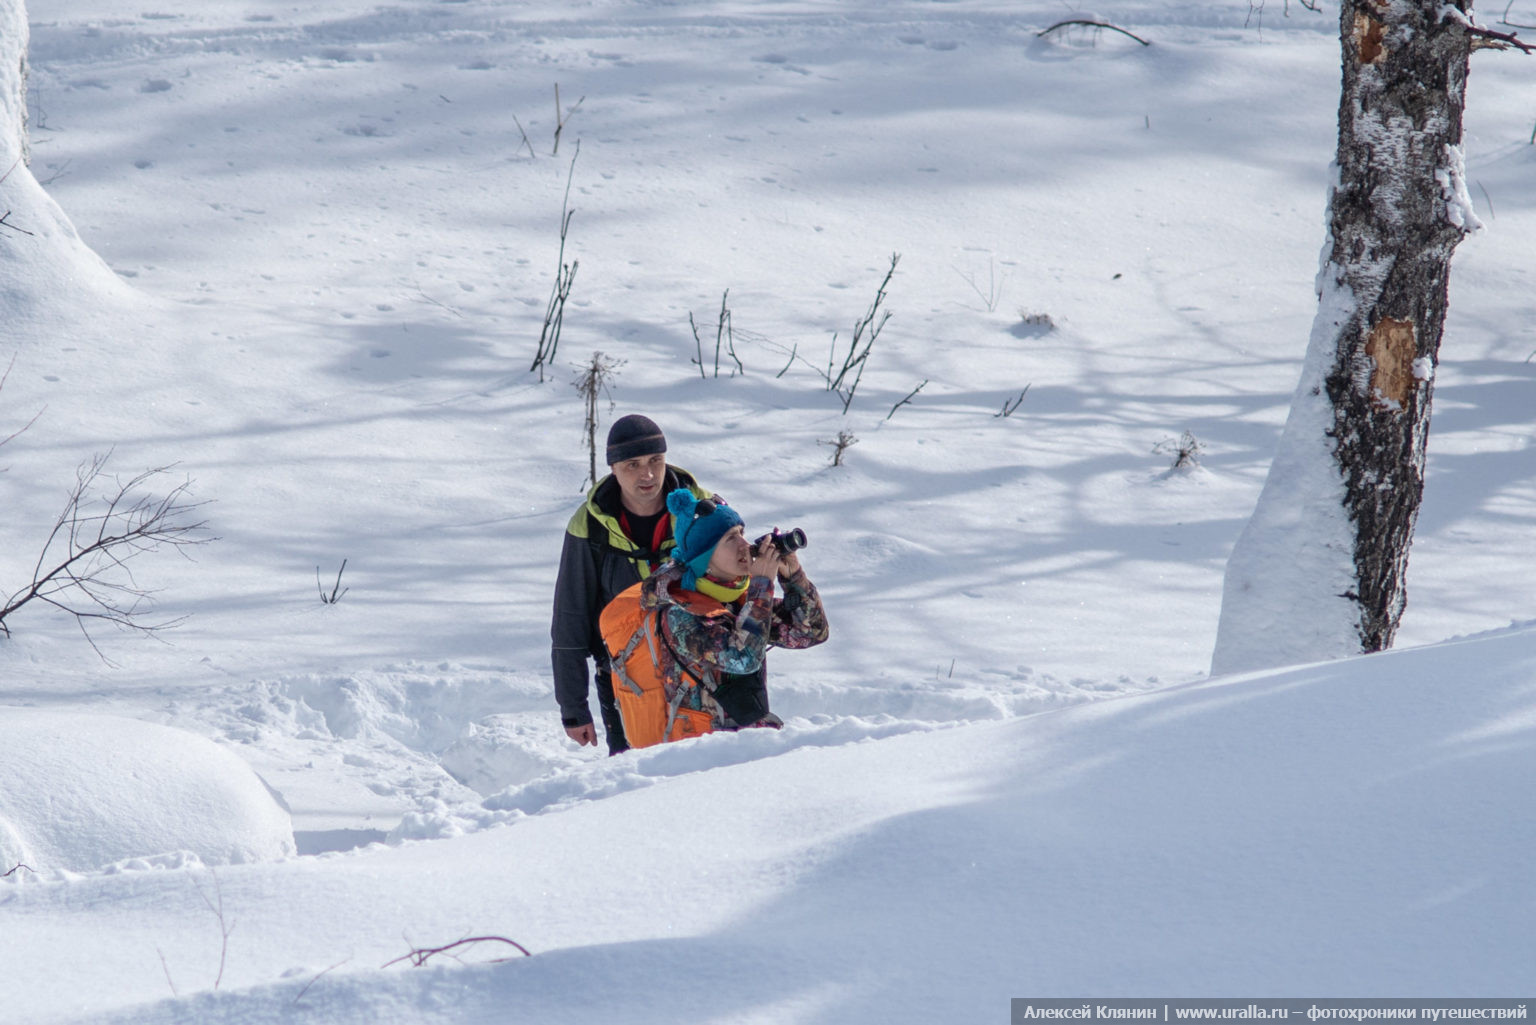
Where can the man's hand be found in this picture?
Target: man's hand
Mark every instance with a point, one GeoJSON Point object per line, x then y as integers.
{"type": "Point", "coordinates": [789, 565]}
{"type": "Point", "coordinates": [583, 735]}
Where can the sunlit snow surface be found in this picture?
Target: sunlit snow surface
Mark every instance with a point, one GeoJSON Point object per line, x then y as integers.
{"type": "Point", "coordinates": [86, 792]}
{"type": "Point", "coordinates": [324, 259]}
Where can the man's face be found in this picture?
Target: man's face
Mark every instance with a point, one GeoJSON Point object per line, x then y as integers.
{"type": "Point", "coordinates": [733, 556]}
{"type": "Point", "coordinates": [640, 482]}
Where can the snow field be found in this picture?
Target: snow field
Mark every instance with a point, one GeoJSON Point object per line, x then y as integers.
{"type": "Point", "coordinates": [324, 256]}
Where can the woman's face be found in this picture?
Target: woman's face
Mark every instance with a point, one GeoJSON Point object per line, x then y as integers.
{"type": "Point", "coordinates": [732, 557]}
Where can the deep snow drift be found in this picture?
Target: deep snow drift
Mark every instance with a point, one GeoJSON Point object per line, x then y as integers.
{"type": "Point", "coordinates": [1350, 828]}
{"type": "Point", "coordinates": [84, 792]}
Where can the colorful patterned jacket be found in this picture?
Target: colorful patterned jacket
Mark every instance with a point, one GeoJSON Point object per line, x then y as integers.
{"type": "Point", "coordinates": [697, 672]}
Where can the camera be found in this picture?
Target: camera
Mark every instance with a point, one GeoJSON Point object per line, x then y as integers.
{"type": "Point", "coordinates": [787, 541]}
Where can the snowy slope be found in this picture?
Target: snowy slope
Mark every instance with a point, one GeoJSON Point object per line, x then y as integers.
{"type": "Point", "coordinates": [324, 258]}
{"type": "Point", "coordinates": [1342, 829]}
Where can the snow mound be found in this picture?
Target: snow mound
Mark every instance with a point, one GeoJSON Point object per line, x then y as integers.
{"type": "Point", "coordinates": [48, 274]}
{"type": "Point", "coordinates": [84, 792]}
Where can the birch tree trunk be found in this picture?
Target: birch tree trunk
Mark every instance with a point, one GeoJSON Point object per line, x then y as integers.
{"type": "Point", "coordinates": [1319, 570]}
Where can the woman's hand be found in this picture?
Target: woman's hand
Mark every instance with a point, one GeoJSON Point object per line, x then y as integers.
{"type": "Point", "coordinates": [768, 562]}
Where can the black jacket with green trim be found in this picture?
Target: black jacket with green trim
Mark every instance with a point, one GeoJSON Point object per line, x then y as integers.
{"type": "Point", "coordinates": [597, 563]}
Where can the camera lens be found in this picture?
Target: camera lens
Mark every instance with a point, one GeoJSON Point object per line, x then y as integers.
{"type": "Point", "coordinates": [791, 540]}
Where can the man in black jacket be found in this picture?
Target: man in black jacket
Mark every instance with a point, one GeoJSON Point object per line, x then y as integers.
{"type": "Point", "coordinates": [619, 536]}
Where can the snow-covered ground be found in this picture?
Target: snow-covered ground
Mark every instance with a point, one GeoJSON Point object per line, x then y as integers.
{"type": "Point", "coordinates": [324, 257]}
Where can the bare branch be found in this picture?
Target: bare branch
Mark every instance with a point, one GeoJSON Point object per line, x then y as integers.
{"type": "Point", "coordinates": [1010, 406]}
{"type": "Point", "coordinates": [994, 291]}
{"type": "Point", "coordinates": [855, 359]}
{"type": "Point", "coordinates": [1504, 18]}
{"type": "Point", "coordinates": [725, 336]}
{"type": "Point", "coordinates": [565, 274]}
{"type": "Point", "coordinates": [1494, 41]}
{"type": "Point", "coordinates": [1092, 24]}
{"type": "Point", "coordinates": [337, 591]}
{"type": "Point", "coordinates": [698, 346]}
{"type": "Point", "coordinates": [723, 326]}
{"type": "Point", "coordinates": [17, 868]}
{"type": "Point", "coordinates": [562, 118]}
{"type": "Point", "coordinates": [23, 428]}
{"type": "Point", "coordinates": [167, 970]}
{"type": "Point", "coordinates": [910, 396]}
{"type": "Point", "coordinates": [83, 566]}
{"type": "Point", "coordinates": [5, 223]}
{"type": "Point", "coordinates": [524, 134]}
{"type": "Point", "coordinates": [793, 355]}
{"type": "Point", "coordinates": [318, 977]}
{"type": "Point", "coordinates": [216, 905]}
{"type": "Point", "coordinates": [421, 955]}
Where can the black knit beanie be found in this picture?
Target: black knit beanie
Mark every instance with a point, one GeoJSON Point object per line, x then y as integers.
{"type": "Point", "coordinates": [633, 436]}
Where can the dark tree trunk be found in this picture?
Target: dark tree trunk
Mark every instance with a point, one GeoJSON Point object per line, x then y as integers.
{"type": "Point", "coordinates": [1318, 571]}
{"type": "Point", "coordinates": [1396, 215]}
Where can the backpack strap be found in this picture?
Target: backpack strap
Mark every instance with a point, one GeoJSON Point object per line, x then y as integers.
{"type": "Point", "coordinates": [618, 663]}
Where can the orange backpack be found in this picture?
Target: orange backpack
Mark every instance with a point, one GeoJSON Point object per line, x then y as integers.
{"type": "Point", "coordinates": [630, 633]}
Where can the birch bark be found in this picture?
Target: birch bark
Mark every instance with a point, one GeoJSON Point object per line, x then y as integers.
{"type": "Point", "coordinates": [1319, 571]}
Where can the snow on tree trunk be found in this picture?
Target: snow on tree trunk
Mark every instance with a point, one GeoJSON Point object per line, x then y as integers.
{"type": "Point", "coordinates": [13, 82]}
{"type": "Point", "coordinates": [1319, 570]}
{"type": "Point", "coordinates": [51, 283]}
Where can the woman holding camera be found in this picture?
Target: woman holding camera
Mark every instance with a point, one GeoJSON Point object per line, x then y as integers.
{"type": "Point", "coordinates": [689, 643]}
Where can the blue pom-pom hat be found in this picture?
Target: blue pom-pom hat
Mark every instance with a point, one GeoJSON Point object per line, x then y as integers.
{"type": "Point", "coordinates": [698, 527]}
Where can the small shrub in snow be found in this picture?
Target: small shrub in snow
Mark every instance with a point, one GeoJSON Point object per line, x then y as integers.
{"type": "Point", "coordinates": [724, 334]}
{"type": "Point", "coordinates": [565, 275]}
{"type": "Point", "coordinates": [1185, 450]}
{"type": "Point", "coordinates": [993, 293]}
{"type": "Point", "coordinates": [592, 381]}
{"type": "Point", "coordinates": [845, 440]}
{"type": "Point", "coordinates": [1010, 405]}
{"type": "Point", "coordinates": [336, 590]}
{"type": "Point", "coordinates": [864, 334]}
